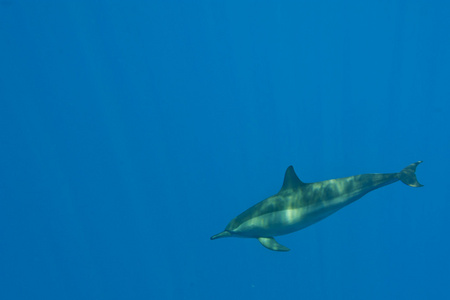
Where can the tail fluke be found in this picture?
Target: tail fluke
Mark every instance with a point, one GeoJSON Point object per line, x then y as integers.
{"type": "Point", "coordinates": [408, 175]}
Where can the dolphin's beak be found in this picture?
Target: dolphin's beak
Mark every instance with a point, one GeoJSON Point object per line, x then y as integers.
{"type": "Point", "coordinates": [221, 235]}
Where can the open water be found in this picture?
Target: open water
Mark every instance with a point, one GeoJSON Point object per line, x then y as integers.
{"type": "Point", "coordinates": [132, 131]}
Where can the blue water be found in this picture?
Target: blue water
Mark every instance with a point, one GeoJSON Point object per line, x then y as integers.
{"type": "Point", "coordinates": [132, 131]}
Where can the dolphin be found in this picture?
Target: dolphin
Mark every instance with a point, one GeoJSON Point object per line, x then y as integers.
{"type": "Point", "coordinates": [298, 205]}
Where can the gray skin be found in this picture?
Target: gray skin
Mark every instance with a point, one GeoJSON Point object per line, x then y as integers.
{"type": "Point", "coordinates": [298, 205]}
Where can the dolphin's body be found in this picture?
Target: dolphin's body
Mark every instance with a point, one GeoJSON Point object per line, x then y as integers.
{"type": "Point", "coordinates": [298, 205]}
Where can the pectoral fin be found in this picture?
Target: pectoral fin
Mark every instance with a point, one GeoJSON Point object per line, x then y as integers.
{"type": "Point", "coordinates": [270, 243]}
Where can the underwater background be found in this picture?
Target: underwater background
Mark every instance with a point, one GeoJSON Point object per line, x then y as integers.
{"type": "Point", "coordinates": [132, 131]}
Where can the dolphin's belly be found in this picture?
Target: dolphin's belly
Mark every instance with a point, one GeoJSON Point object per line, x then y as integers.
{"type": "Point", "coordinates": [293, 218]}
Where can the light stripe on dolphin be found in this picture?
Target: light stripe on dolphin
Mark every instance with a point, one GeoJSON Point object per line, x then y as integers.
{"type": "Point", "coordinates": [298, 205]}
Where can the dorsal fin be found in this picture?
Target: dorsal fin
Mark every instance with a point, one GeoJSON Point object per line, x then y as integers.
{"type": "Point", "coordinates": [291, 180]}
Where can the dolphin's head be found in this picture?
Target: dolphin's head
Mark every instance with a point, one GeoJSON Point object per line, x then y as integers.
{"type": "Point", "coordinates": [223, 234]}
